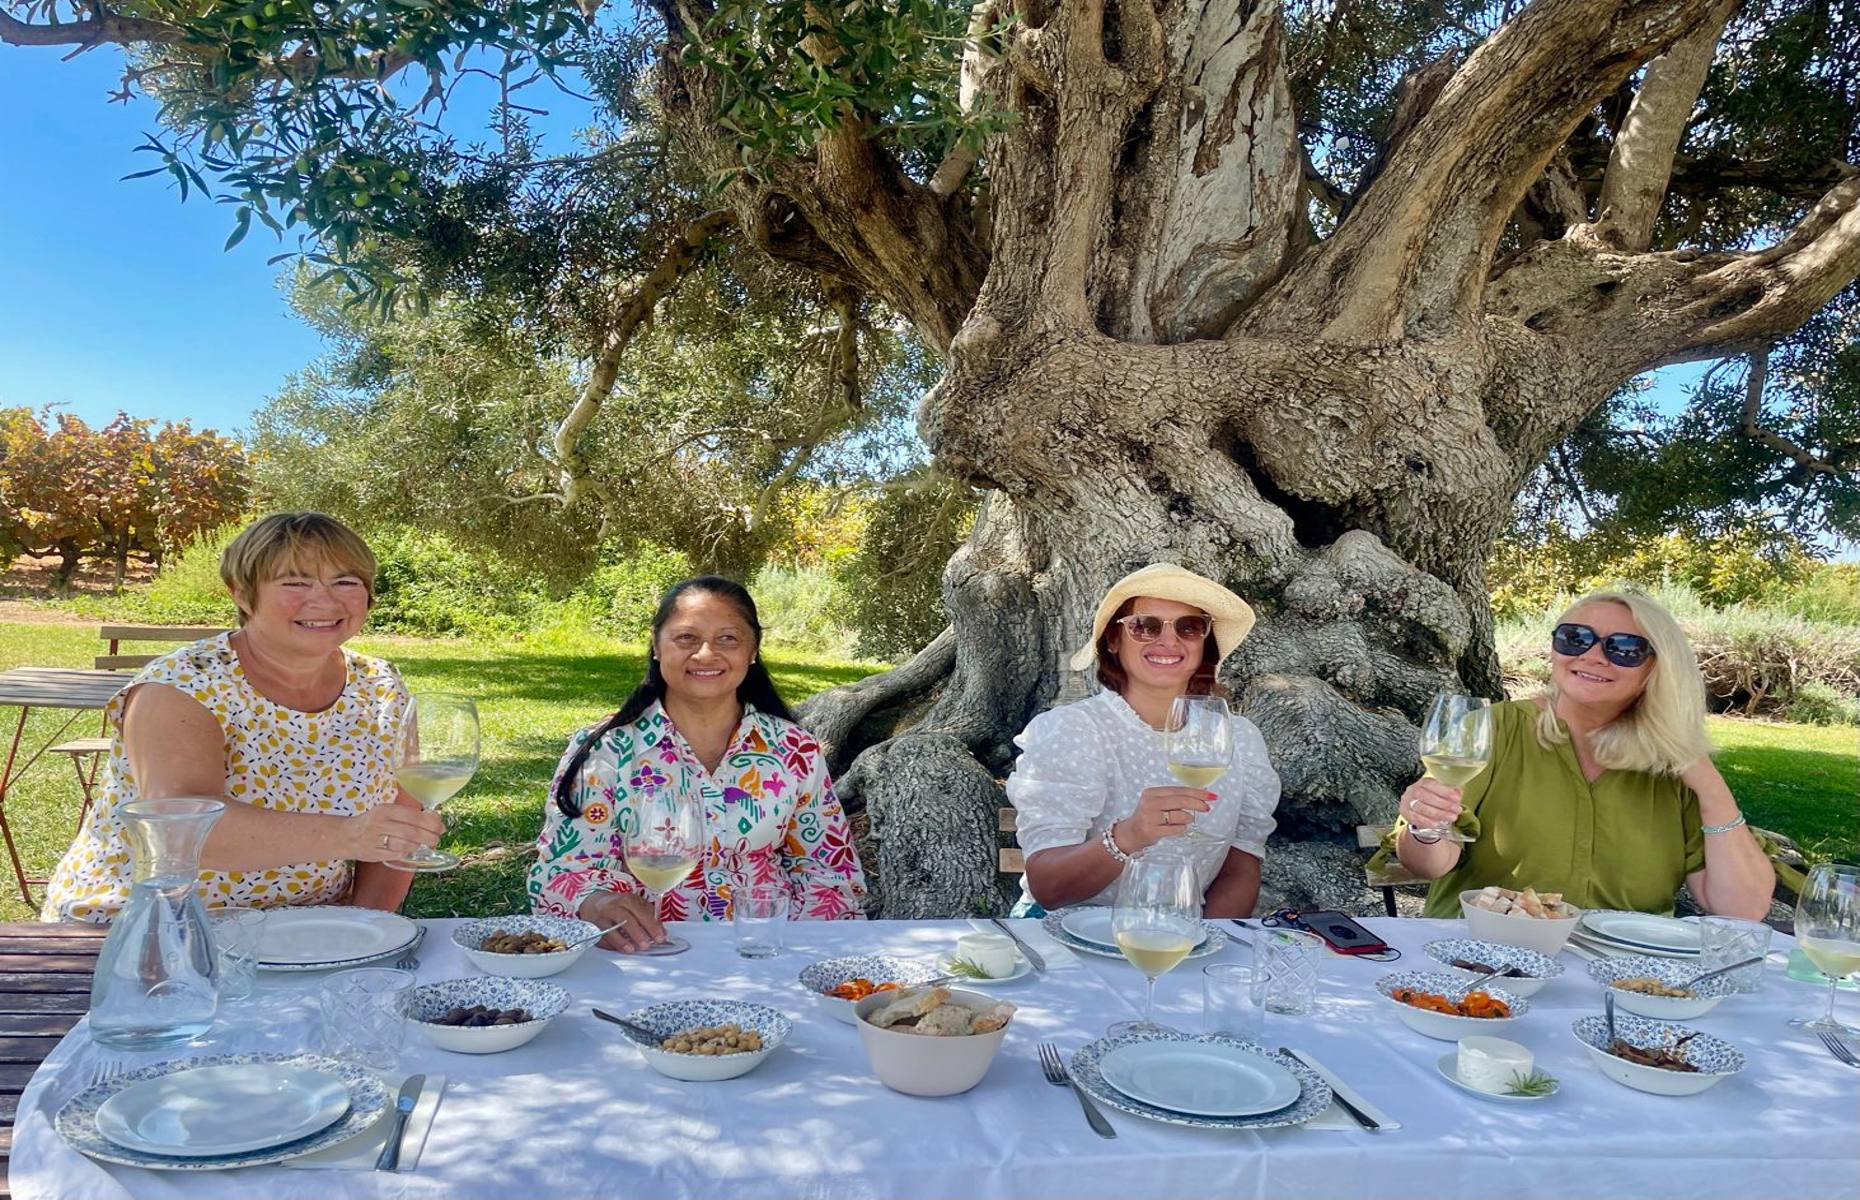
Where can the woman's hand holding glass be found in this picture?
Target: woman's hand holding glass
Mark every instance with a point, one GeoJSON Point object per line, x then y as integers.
{"type": "Point", "coordinates": [1162, 812]}
{"type": "Point", "coordinates": [642, 929]}
{"type": "Point", "coordinates": [438, 758]}
{"type": "Point", "coordinates": [1430, 804]}
{"type": "Point", "coordinates": [1456, 745]}
{"type": "Point", "coordinates": [664, 843]}
{"type": "Point", "coordinates": [389, 832]}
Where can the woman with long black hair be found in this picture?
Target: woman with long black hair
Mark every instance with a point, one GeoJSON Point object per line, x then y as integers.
{"type": "Point", "coordinates": [708, 720]}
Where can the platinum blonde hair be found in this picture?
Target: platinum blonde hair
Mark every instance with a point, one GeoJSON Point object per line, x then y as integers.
{"type": "Point", "coordinates": [1663, 730]}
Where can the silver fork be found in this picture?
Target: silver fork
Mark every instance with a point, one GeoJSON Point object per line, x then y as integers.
{"type": "Point", "coordinates": [105, 1072]}
{"type": "Point", "coordinates": [1055, 1069]}
{"type": "Point", "coordinates": [1837, 1048]}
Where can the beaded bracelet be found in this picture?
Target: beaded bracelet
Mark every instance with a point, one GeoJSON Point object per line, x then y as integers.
{"type": "Point", "coordinates": [1726, 827]}
{"type": "Point", "coordinates": [1111, 846]}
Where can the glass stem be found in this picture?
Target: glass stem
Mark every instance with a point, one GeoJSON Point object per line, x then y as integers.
{"type": "Point", "coordinates": [1149, 1003]}
{"type": "Point", "coordinates": [1833, 984]}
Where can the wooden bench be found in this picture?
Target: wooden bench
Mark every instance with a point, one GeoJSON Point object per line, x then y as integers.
{"type": "Point", "coordinates": [87, 753]}
{"type": "Point", "coordinates": [1369, 837]}
{"type": "Point", "coordinates": [1013, 862]}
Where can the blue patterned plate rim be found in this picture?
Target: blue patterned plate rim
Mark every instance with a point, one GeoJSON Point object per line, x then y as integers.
{"type": "Point", "coordinates": [363, 916]}
{"type": "Point", "coordinates": [543, 999]}
{"type": "Point", "coordinates": [675, 1016]}
{"type": "Point", "coordinates": [817, 977]}
{"type": "Point", "coordinates": [76, 1121]}
{"type": "Point", "coordinates": [1313, 1093]}
{"type": "Point", "coordinates": [1670, 971]}
{"type": "Point", "coordinates": [469, 935]}
{"type": "Point", "coordinates": [1212, 940]}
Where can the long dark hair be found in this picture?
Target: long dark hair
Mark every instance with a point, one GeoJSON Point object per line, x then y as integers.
{"type": "Point", "coordinates": [757, 689]}
{"type": "Point", "coordinates": [1112, 675]}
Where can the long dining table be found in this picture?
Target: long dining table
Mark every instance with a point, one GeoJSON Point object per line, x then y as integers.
{"type": "Point", "coordinates": [577, 1112]}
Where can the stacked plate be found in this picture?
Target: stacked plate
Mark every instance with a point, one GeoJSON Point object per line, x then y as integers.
{"type": "Point", "coordinates": [1208, 1082]}
{"type": "Point", "coordinates": [331, 937]}
{"type": "Point", "coordinates": [1610, 931]}
{"type": "Point", "coordinates": [213, 1114]}
{"type": "Point", "coordinates": [1087, 929]}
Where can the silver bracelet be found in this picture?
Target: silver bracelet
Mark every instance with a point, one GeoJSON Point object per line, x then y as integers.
{"type": "Point", "coordinates": [1726, 827]}
{"type": "Point", "coordinates": [1111, 847]}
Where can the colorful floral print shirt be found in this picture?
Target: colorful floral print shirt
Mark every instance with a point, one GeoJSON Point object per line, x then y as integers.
{"type": "Point", "coordinates": [770, 812]}
{"type": "Point", "coordinates": [339, 761]}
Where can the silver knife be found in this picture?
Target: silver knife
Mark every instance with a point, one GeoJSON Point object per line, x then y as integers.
{"type": "Point", "coordinates": [1358, 1115]}
{"type": "Point", "coordinates": [403, 1108]}
{"type": "Point", "coordinates": [1039, 964]}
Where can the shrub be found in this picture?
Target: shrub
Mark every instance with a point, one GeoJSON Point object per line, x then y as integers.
{"type": "Point", "coordinates": [894, 584]}
{"type": "Point", "coordinates": [1815, 703]}
{"type": "Point", "coordinates": [621, 596]}
{"type": "Point", "coordinates": [188, 590]}
{"type": "Point", "coordinates": [803, 607]}
{"type": "Point", "coordinates": [429, 586]}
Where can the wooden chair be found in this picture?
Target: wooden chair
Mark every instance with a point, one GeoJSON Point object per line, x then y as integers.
{"type": "Point", "coordinates": [1390, 877]}
{"type": "Point", "coordinates": [1012, 862]}
{"type": "Point", "coordinates": [87, 753]}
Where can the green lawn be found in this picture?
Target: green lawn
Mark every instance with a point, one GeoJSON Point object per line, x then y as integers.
{"type": "Point", "coordinates": [1800, 780]}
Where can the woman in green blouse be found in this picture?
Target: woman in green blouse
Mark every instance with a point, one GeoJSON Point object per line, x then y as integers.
{"type": "Point", "coordinates": [1603, 788]}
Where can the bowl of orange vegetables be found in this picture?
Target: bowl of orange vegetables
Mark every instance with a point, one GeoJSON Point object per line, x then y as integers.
{"type": "Point", "coordinates": [840, 983]}
{"type": "Point", "coordinates": [1436, 1004]}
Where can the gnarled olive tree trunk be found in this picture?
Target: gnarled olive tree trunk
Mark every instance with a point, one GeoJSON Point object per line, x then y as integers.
{"type": "Point", "coordinates": [1150, 356]}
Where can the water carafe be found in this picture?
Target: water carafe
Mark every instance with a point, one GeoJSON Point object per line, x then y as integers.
{"type": "Point", "coordinates": [156, 975]}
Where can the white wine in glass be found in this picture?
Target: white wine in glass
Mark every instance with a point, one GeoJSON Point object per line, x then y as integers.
{"type": "Point", "coordinates": [663, 845]}
{"type": "Point", "coordinates": [439, 755]}
{"type": "Point", "coordinates": [1156, 922]}
{"type": "Point", "coordinates": [1199, 742]}
{"type": "Point", "coordinates": [1827, 927]}
{"type": "Point", "coordinates": [1456, 744]}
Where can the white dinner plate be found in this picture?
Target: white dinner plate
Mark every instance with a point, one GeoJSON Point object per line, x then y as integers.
{"type": "Point", "coordinates": [1203, 1079]}
{"type": "Point", "coordinates": [331, 935]}
{"type": "Point", "coordinates": [1093, 924]}
{"type": "Point", "coordinates": [212, 1111]}
{"type": "Point", "coordinates": [1642, 931]}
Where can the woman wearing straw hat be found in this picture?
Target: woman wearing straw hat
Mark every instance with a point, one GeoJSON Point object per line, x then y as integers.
{"type": "Point", "coordinates": [1092, 787]}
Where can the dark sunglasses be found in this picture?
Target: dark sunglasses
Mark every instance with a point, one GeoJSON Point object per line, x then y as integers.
{"type": "Point", "coordinates": [1621, 649]}
{"type": "Point", "coordinates": [1144, 628]}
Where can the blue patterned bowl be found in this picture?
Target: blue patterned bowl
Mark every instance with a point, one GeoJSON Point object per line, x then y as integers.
{"type": "Point", "coordinates": [1538, 969]}
{"type": "Point", "coordinates": [430, 1001]}
{"type": "Point", "coordinates": [1715, 1058]}
{"type": "Point", "coordinates": [1673, 972]}
{"type": "Point", "coordinates": [821, 977]}
{"type": "Point", "coordinates": [678, 1016]}
{"type": "Point", "coordinates": [1448, 1027]}
{"type": "Point", "coordinates": [471, 935]}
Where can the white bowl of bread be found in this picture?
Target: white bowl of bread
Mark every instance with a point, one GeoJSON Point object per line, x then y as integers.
{"type": "Point", "coordinates": [932, 1041]}
{"type": "Point", "coordinates": [1538, 921]}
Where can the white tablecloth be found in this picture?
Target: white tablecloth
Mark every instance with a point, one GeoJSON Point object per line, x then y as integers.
{"type": "Point", "coordinates": [576, 1113]}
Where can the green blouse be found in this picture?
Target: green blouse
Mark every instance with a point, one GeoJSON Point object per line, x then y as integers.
{"type": "Point", "coordinates": [1627, 840]}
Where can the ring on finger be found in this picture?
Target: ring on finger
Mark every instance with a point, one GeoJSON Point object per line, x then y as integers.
{"type": "Point", "coordinates": [384, 841]}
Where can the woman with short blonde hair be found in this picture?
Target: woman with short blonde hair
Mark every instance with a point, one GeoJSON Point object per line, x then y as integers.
{"type": "Point", "coordinates": [1602, 788]}
{"type": "Point", "coordinates": [296, 734]}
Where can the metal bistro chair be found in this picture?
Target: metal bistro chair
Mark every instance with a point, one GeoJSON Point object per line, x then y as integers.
{"type": "Point", "coordinates": [87, 753]}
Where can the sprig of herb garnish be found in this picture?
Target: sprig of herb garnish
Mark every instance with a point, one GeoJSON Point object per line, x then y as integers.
{"type": "Point", "coordinates": [1539, 1083]}
{"type": "Point", "coordinates": [968, 969]}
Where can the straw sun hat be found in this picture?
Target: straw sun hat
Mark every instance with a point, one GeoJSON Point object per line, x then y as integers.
{"type": "Point", "coordinates": [1233, 617]}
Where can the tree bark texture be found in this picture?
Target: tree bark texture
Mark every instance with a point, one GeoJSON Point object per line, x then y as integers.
{"type": "Point", "coordinates": [1150, 358]}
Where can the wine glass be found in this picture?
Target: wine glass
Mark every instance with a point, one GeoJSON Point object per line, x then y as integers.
{"type": "Point", "coordinates": [1156, 922]}
{"type": "Point", "coordinates": [1456, 744]}
{"type": "Point", "coordinates": [1198, 743]}
{"type": "Point", "coordinates": [1827, 927]}
{"type": "Point", "coordinates": [663, 844]}
{"type": "Point", "coordinates": [439, 755]}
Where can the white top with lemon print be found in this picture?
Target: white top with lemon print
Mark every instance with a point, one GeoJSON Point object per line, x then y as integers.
{"type": "Point", "coordinates": [338, 761]}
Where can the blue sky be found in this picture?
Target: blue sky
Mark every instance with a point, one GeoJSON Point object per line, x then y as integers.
{"type": "Point", "coordinates": [114, 294]}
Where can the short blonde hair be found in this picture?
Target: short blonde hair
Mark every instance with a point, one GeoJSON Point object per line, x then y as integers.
{"type": "Point", "coordinates": [272, 546]}
{"type": "Point", "coordinates": [1662, 732]}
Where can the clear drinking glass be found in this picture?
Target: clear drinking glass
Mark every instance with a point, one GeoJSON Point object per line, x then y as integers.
{"type": "Point", "coordinates": [1456, 744]}
{"type": "Point", "coordinates": [664, 841]}
{"type": "Point", "coordinates": [758, 912]}
{"type": "Point", "coordinates": [1198, 742]}
{"type": "Point", "coordinates": [365, 1015]}
{"type": "Point", "coordinates": [1726, 940]}
{"type": "Point", "coordinates": [1156, 922]}
{"type": "Point", "coordinates": [237, 933]}
{"type": "Point", "coordinates": [438, 757]}
{"type": "Point", "coordinates": [1285, 980]}
{"type": "Point", "coordinates": [1827, 927]}
{"type": "Point", "coordinates": [1227, 1002]}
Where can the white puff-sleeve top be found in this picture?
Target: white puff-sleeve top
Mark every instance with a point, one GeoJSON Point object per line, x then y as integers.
{"type": "Point", "coordinates": [1083, 766]}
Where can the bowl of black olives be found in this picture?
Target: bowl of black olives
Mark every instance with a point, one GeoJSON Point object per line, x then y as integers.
{"type": "Point", "coordinates": [484, 1015]}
